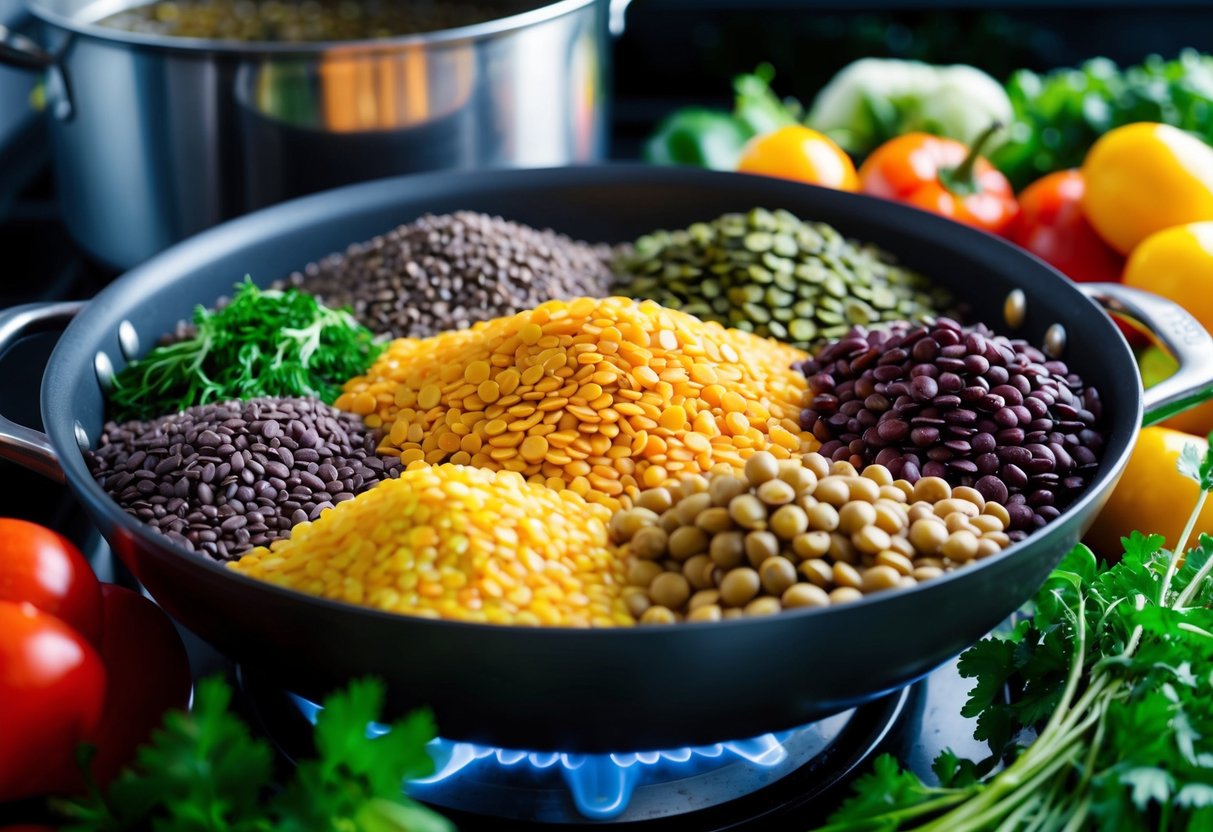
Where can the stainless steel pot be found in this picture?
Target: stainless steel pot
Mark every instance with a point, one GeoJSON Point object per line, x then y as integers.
{"type": "Point", "coordinates": [155, 138]}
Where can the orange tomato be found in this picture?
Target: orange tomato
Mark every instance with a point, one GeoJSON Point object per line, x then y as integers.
{"type": "Point", "coordinates": [802, 155]}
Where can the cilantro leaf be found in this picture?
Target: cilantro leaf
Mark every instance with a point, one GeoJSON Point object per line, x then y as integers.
{"type": "Point", "coordinates": [991, 663]}
{"type": "Point", "coordinates": [884, 790]}
{"type": "Point", "coordinates": [955, 771]}
{"type": "Point", "coordinates": [204, 772]}
{"type": "Point", "coordinates": [1195, 467]}
{"type": "Point", "coordinates": [201, 772]}
{"type": "Point", "coordinates": [353, 766]}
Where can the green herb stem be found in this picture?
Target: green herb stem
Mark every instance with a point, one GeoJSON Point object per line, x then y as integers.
{"type": "Point", "coordinates": [1173, 563]}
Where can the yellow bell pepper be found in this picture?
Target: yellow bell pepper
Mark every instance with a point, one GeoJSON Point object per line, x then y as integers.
{"type": "Point", "coordinates": [1152, 496]}
{"type": "Point", "coordinates": [1142, 178]}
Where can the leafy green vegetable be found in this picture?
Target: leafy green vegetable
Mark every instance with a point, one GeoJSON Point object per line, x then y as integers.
{"type": "Point", "coordinates": [263, 343]}
{"type": "Point", "coordinates": [1109, 721]}
{"type": "Point", "coordinates": [714, 139]}
{"type": "Point", "coordinates": [873, 100]}
{"type": "Point", "coordinates": [204, 772]}
{"type": "Point", "coordinates": [1059, 115]}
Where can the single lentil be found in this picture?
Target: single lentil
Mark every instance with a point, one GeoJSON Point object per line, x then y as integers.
{"type": "Point", "coordinates": [462, 543]}
{"type": "Point", "coordinates": [824, 556]}
{"type": "Point", "coordinates": [452, 270]}
{"type": "Point", "coordinates": [771, 273]}
{"type": "Point", "coordinates": [223, 478]}
{"type": "Point", "coordinates": [579, 394]}
{"type": "Point", "coordinates": [964, 408]}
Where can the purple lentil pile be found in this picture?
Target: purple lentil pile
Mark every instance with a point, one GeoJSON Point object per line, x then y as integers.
{"type": "Point", "coordinates": [224, 478]}
{"type": "Point", "coordinates": [452, 270]}
{"type": "Point", "coordinates": [963, 404]}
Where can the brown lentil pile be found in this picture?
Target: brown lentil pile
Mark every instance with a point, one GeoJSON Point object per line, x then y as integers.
{"type": "Point", "coordinates": [801, 532]}
{"type": "Point", "coordinates": [461, 543]}
{"type": "Point", "coordinates": [603, 397]}
{"type": "Point", "coordinates": [963, 404]}
{"type": "Point", "coordinates": [223, 478]}
{"type": "Point", "coordinates": [771, 273]}
{"type": "Point", "coordinates": [449, 271]}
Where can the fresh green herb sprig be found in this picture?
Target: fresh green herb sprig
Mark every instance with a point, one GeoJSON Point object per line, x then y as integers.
{"type": "Point", "coordinates": [1113, 677]}
{"type": "Point", "coordinates": [204, 772]}
{"type": "Point", "coordinates": [264, 343]}
{"type": "Point", "coordinates": [1059, 115]}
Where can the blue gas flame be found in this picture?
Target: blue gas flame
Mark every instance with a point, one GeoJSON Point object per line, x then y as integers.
{"type": "Point", "coordinates": [600, 785]}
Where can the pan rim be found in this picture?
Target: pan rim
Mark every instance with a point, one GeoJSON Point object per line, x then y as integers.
{"type": "Point", "coordinates": [248, 227]}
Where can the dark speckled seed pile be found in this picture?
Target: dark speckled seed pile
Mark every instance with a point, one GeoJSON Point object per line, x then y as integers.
{"type": "Point", "coordinates": [223, 478]}
{"type": "Point", "coordinates": [959, 403]}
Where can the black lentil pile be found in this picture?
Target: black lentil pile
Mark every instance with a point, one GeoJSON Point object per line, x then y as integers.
{"type": "Point", "coordinates": [223, 478]}
{"type": "Point", "coordinates": [963, 404]}
{"type": "Point", "coordinates": [770, 273]}
{"type": "Point", "coordinates": [450, 271]}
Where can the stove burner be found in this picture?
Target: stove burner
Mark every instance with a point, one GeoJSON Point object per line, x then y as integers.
{"type": "Point", "coordinates": [479, 784]}
{"type": "Point", "coordinates": [602, 785]}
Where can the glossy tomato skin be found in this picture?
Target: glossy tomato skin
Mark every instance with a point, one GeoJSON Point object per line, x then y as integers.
{"type": "Point", "coordinates": [1053, 226]}
{"type": "Point", "coordinates": [915, 169]}
{"type": "Point", "coordinates": [43, 568]}
{"type": "Point", "coordinates": [795, 152]}
{"type": "Point", "coordinates": [148, 673]}
{"type": "Point", "coordinates": [52, 690]}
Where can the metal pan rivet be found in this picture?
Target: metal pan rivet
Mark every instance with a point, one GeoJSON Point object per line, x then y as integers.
{"type": "Point", "coordinates": [128, 340]}
{"type": "Point", "coordinates": [1014, 308]}
{"type": "Point", "coordinates": [105, 371]}
{"type": "Point", "coordinates": [1055, 341]}
{"type": "Point", "coordinates": [81, 437]}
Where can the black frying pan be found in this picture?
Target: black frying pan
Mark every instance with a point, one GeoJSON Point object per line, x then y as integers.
{"type": "Point", "coordinates": [578, 690]}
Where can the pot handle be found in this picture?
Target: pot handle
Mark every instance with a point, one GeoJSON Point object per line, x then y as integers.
{"type": "Point", "coordinates": [1183, 336]}
{"type": "Point", "coordinates": [27, 447]}
{"type": "Point", "coordinates": [616, 12]}
{"type": "Point", "coordinates": [19, 51]}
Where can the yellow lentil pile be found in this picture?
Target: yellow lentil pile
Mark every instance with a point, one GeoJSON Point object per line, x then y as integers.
{"type": "Point", "coordinates": [605, 397]}
{"type": "Point", "coordinates": [795, 533]}
{"type": "Point", "coordinates": [460, 543]}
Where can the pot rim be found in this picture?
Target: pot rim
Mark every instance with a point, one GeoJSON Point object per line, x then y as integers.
{"type": "Point", "coordinates": [84, 23]}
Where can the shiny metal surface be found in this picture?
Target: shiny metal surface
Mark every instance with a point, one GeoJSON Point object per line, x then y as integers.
{"type": "Point", "coordinates": [155, 138]}
{"type": "Point", "coordinates": [25, 446]}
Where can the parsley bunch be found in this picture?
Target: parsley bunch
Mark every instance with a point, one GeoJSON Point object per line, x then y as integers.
{"type": "Point", "coordinates": [1112, 676]}
{"type": "Point", "coordinates": [204, 772]}
{"type": "Point", "coordinates": [263, 343]}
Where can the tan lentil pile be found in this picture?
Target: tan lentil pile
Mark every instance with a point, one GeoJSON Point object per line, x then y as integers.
{"type": "Point", "coordinates": [459, 543]}
{"type": "Point", "coordinates": [605, 397]}
{"type": "Point", "coordinates": [794, 533]}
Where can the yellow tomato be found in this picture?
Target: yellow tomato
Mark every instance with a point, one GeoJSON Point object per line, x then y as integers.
{"type": "Point", "coordinates": [801, 154]}
{"type": "Point", "coordinates": [1152, 496]}
{"type": "Point", "coordinates": [1142, 178]}
{"type": "Point", "coordinates": [1177, 263]}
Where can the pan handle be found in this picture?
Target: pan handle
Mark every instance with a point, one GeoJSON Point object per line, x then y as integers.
{"type": "Point", "coordinates": [19, 51]}
{"type": "Point", "coordinates": [27, 447]}
{"type": "Point", "coordinates": [1169, 324]}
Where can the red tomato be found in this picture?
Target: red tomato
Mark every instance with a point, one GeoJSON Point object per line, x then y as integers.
{"type": "Point", "coordinates": [44, 568]}
{"type": "Point", "coordinates": [52, 690]}
{"type": "Point", "coordinates": [1052, 226]}
{"type": "Point", "coordinates": [148, 673]}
